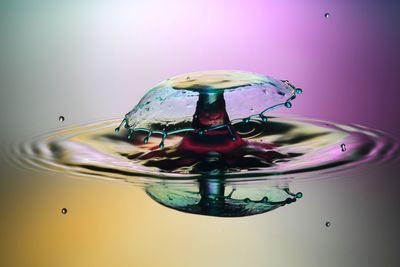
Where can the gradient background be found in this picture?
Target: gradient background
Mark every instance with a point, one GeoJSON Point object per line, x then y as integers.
{"type": "Point", "coordinates": [92, 60]}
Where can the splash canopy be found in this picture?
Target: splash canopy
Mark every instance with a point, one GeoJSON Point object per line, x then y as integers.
{"type": "Point", "coordinates": [206, 101]}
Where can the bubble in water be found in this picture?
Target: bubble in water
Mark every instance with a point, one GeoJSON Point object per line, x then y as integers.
{"type": "Point", "coordinates": [61, 118]}
{"type": "Point", "coordinates": [327, 15]}
{"type": "Point", "coordinates": [64, 211]}
{"type": "Point", "coordinates": [343, 147]}
{"type": "Point", "coordinates": [328, 224]}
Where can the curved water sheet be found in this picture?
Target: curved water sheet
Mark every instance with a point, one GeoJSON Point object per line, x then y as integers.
{"type": "Point", "coordinates": [287, 149]}
{"type": "Point", "coordinates": [208, 101]}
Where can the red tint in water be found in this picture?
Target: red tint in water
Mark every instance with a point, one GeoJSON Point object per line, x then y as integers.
{"type": "Point", "coordinates": [211, 112]}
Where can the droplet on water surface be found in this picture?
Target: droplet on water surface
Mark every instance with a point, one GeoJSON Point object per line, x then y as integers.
{"type": "Point", "coordinates": [61, 118]}
{"type": "Point", "coordinates": [64, 211]}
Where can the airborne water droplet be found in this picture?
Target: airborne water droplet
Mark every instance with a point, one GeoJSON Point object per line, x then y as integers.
{"type": "Point", "coordinates": [327, 15]}
{"type": "Point", "coordinates": [64, 211]}
{"type": "Point", "coordinates": [61, 118]}
{"type": "Point", "coordinates": [299, 91]}
{"type": "Point", "coordinates": [343, 146]}
{"type": "Point", "coordinates": [328, 224]}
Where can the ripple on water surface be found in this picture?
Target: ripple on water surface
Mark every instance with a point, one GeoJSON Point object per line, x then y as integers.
{"type": "Point", "coordinates": [291, 148]}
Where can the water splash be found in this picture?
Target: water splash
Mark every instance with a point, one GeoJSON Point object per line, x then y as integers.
{"type": "Point", "coordinates": [200, 130]}
{"type": "Point", "coordinates": [199, 104]}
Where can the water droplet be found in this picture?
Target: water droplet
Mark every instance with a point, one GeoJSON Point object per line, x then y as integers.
{"type": "Point", "coordinates": [288, 104]}
{"type": "Point", "coordinates": [263, 118]}
{"type": "Point", "coordinates": [201, 132]}
{"type": "Point", "coordinates": [264, 200]}
{"type": "Point", "coordinates": [146, 139]}
{"type": "Point", "coordinates": [61, 118]}
{"type": "Point", "coordinates": [328, 224]}
{"type": "Point", "coordinates": [233, 138]}
{"type": "Point", "coordinates": [64, 211]}
{"type": "Point", "coordinates": [299, 195]}
{"type": "Point", "coordinates": [246, 120]}
{"type": "Point", "coordinates": [327, 15]}
{"type": "Point", "coordinates": [299, 91]}
{"type": "Point", "coordinates": [117, 130]}
{"type": "Point", "coordinates": [343, 146]}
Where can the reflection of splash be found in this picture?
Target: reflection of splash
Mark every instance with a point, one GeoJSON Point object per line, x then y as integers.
{"type": "Point", "coordinates": [310, 148]}
{"type": "Point", "coordinates": [217, 197]}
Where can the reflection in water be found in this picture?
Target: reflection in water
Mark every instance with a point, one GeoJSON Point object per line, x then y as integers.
{"type": "Point", "coordinates": [219, 197]}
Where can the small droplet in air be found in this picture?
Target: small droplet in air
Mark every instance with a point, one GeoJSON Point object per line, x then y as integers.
{"type": "Point", "coordinates": [327, 15]}
{"type": "Point", "coordinates": [328, 224]}
{"type": "Point", "coordinates": [299, 91]}
{"type": "Point", "coordinates": [188, 78]}
{"type": "Point", "coordinates": [343, 146]}
{"type": "Point", "coordinates": [61, 118]}
{"type": "Point", "coordinates": [64, 211]}
{"type": "Point", "coordinates": [117, 130]}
